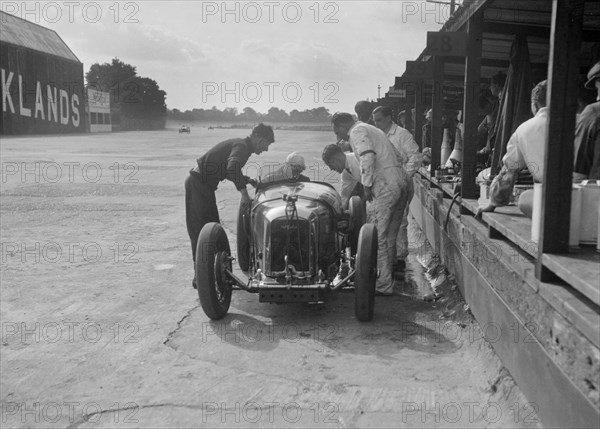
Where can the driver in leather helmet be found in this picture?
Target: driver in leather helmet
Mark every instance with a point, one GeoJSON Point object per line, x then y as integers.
{"type": "Point", "coordinates": [292, 170]}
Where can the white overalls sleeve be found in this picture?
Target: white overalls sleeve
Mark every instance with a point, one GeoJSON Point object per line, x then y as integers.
{"type": "Point", "coordinates": [412, 152]}
{"type": "Point", "coordinates": [364, 151]}
{"type": "Point", "coordinates": [502, 185]}
{"type": "Point", "coordinates": [348, 185]}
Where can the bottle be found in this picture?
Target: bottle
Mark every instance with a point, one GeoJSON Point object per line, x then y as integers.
{"type": "Point", "coordinates": [446, 149]}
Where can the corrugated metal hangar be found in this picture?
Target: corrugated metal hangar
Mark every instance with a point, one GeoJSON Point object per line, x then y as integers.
{"type": "Point", "coordinates": [42, 81]}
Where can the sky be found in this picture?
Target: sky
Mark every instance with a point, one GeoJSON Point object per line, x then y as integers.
{"type": "Point", "coordinates": [292, 55]}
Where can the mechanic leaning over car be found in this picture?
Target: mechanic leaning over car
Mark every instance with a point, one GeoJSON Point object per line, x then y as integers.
{"type": "Point", "coordinates": [385, 184]}
{"type": "Point", "coordinates": [224, 161]}
{"type": "Point", "coordinates": [403, 140]}
{"type": "Point", "coordinates": [347, 165]}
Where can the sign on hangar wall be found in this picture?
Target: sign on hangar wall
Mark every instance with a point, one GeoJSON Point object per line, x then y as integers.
{"type": "Point", "coordinates": [41, 93]}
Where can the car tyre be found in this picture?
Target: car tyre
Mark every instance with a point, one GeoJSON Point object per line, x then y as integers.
{"type": "Point", "coordinates": [213, 257]}
{"type": "Point", "coordinates": [366, 273]}
{"type": "Point", "coordinates": [243, 240]}
{"type": "Point", "coordinates": [358, 217]}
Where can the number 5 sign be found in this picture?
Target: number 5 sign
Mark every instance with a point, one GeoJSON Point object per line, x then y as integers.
{"type": "Point", "coordinates": [446, 44]}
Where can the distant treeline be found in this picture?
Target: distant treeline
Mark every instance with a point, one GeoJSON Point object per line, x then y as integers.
{"type": "Point", "coordinates": [136, 102]}
{"type": "Point", "coordinates": [249, 115]}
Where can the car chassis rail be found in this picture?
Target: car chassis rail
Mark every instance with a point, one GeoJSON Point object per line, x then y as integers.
{"type": "Point", "coordinates": [255, 286]}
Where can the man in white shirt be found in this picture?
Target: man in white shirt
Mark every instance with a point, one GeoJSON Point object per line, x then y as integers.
{"type": "Point", "coordinates": [347, 165]}
{"type": "Point", "coordinates": [385, 187]}
{"type": "Point", "coordinates": [526, 148]}
{"type": "Point", "coordinates": [402, 140]}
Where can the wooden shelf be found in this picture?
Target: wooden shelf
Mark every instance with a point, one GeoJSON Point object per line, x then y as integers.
{"type": "Point", "coordinates": [471, 205]}
{"type": "Point", "coordinates": [510, 222]}
{"type": "Point", "coordinates": [580, 269]}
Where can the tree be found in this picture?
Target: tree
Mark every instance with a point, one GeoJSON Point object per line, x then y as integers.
{"type": "Point", "coordinates": [136, 102]}
{"type": "Point", "coordinates": [250, 115]}
{"type": "Point", "coordinates": [105, 77]}
{"type": "Point", "coordinates": [145, 99]}
{"type": "Point", "coordinates": [321, 114]}
{"type": "Point", "coordinates": [276, 115]}
{"type": "Point", "coordinates": [229, 114]}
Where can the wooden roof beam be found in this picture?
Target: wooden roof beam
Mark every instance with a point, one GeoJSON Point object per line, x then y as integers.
{"type": "Point", "coordinates": [466, 12]}
{"type": "Point", "coordinates": [495, 27]}
{"type": "Point", "coordinates": [490, 62]}
{"type": "Point", "coordinates": [516, 29]}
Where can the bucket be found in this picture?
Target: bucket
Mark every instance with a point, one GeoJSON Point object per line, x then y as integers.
{"type": "Point", "coordinates": [457, 151]}
{"type": "Point", "coordinates": [484, 195]}
{"type": "Point", "coordinates": [445, 149]}
{"type": "Point", "coordinates": [455, 155]}
{"type": "Point", "coordinates": [598, 241]}
{"type": "Point", "coordinates": [575, 217]}
{"type": "Point", "coordinates": [590, 207]}
{"type": "Point", "coordinates": [575, 223]}
{"type": "Point", "coordinates": [517, 191]}
{"type": "Point", "coordinates": [536, 216]}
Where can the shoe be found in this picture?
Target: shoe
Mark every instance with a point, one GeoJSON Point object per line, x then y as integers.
{"type": "Point", "coordinates": [194, 285]}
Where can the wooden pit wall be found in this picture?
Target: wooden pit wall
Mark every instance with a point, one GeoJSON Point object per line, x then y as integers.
{"type": "Point", "coordinates": [553, 362]}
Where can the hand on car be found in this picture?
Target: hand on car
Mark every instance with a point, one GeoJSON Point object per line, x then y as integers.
{"type": "Point", "coordinates": [246, 201]}
{"type": "Point", "coordinates": [252, 183]}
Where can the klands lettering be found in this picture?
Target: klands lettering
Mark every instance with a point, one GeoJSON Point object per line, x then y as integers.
{"type": "Point", "coordinates": [51, 103]}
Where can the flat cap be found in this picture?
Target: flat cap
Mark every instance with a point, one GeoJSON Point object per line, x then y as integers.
{"type": "Point", "coordinates": [592, 75]}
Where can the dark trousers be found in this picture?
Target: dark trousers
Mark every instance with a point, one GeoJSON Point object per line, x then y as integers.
{"type": "Point", "coordinates": [200, 208]}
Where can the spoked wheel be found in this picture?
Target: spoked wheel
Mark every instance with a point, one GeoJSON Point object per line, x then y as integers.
{"type": "Point", "coordinates": [243, 243]}
{"type": "Point", "coordinates": [213, 259]}
{"type": "Point", "coordinates": [358, 217]}
{"type": "Point", "coordinates": [366, 273]}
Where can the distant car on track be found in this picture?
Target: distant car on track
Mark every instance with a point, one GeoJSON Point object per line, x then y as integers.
{"type": "Point", "coordinates": [184, 129]}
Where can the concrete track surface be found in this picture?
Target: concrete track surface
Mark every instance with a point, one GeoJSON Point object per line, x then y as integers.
{"type": "Point", "coordinates": [101, 327]}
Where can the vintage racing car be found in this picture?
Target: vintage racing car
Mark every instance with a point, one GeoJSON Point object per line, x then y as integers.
{"type": "Point", "coordinates": [184, 129]}
{"type": "Point", "coordinates": [295, 243]}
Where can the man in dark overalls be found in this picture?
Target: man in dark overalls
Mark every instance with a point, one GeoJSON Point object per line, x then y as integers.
{"type": "Point", "coordinates": [223, 161]}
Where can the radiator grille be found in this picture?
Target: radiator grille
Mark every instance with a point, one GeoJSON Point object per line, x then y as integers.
{"type": "Point", "coordinates": [295, 232]}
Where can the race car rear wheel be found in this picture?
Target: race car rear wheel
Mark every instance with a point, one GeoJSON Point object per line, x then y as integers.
{"type": "Point", "coordinates": [213, 258]}
{"type": "Point", "coordinates": [243, 242]}
{"type": "Point", "coordinates": [366, 273]}
{"type": "Point", "coordinates": [358, 217]}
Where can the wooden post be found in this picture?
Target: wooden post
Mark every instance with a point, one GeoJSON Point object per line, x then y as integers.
{"type": "Point", "coordinates": [471, 105]}
{"type": "Point", "coordinates": [563, 72]}
{"type": "Point", "coordinates": [418, 119]}
{"type": "Point", "coordinates": [437, 106]}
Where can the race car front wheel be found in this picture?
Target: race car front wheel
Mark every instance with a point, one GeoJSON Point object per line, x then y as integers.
{"type": "Point", "coordinates": [213, 259]}
{"type": "Point", "coordinates": [366, 273]}
{"type": "Point", "coordinates": [243, 243]}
